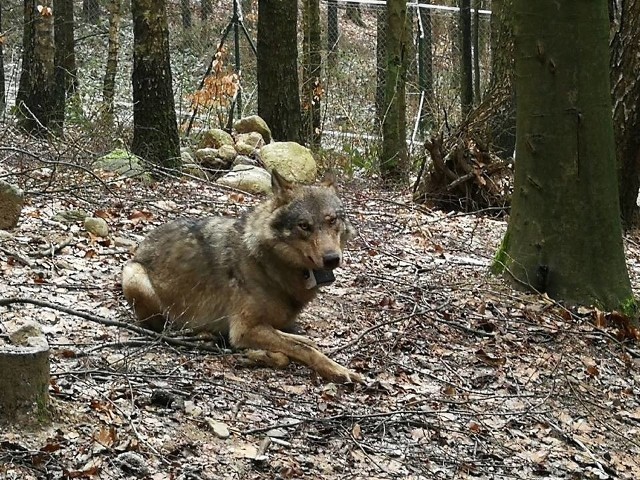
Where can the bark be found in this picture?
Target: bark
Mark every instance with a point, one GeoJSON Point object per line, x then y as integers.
{"type": "Point", "coordinates": [91, 11]}
{"type": "Point", "coordinates": [475, 43]}
{"type": "Point", "coordinates": [625, 87]}
{"type": "Point", "coordinates": [109, 82]}
{"type": "Point", "coordinates": [185, 13]}
{"type": "Point", "coordinates": [35, 101]}
{"type": "Point", "coordinates": [381, 61]}
{"type": "Point", "coordinates": [425, 67]}
{"type": "Point", "coordinates": [155, 130]}
{"type": "Point", "coordinates": [394, 160]}
{"type": "Point", "coordinates": [564, 236]}
{"type": "Point", "coordinates": [3, 99]}
{"type": "Point", "coordinates": [312, 73]}
{"type": "Point", "coordinates": [66, 80]}
{"type": "Point", "coordinates": [277, 66]}
{"type": "Point", "coordinates": [466, 71]}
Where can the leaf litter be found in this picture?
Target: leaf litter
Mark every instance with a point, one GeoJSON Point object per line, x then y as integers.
{"type": "Point", "coordinates": [466, 377]}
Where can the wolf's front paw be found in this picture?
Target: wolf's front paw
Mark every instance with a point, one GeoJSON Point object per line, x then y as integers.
{"type": "Point", "coordinates": [340, 374]}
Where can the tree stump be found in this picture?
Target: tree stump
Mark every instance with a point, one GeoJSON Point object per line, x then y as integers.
{"type": "Point", "coordinates": [24, 373]}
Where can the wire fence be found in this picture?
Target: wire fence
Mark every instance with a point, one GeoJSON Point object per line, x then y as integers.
{"type": "Point", "coordinates": [352, 35]}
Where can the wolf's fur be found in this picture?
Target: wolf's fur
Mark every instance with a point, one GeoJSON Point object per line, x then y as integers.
{"type": "Point", "coordinates": [245, 278]}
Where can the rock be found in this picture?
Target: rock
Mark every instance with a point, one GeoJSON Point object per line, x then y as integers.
{"type": "Point", "coordinates": [205, 154]}
{"type": "Point", "coordinates": [25, 333]}
{"type": "Point", "coordinates": [220, 429]}
{"type": "Point", "coordinates": [247, 178]}
{"type": "Point", "coordinates": [227, 153]}
{"type": "Point", "coordinates": [5, 236]}
{"type": "Point", "coordinates": [215, 138]}
{"type": "Point", "coordinates": [133, 463]}
{"type": "Point", "coordinates": [70, 216]}
{"type": "Point", "coordinates": [244, 160]}
{"type": "Point", "coordinates": [11, 203]}
{"type": "Point", "coordinates": [210, 158]}
{"type": "Point", "coordinates": [254, 123]}
{"type": "Point", "coordinates": [293, 161]}
{"type": "Point", "coordinates": [186, 156]}
{"type": "Point", "coordinates": [244, 148]}
{"type": "Point", "coordinates": [97, 226]}
{"type": "Point", "coordinates": [195, 170]}
{"type": "Point", "coordinates": [122, 162]}
{"type": "Point", "coordinates": [124, 242]}
{"type": "Point", "coordinates": [253, 139]}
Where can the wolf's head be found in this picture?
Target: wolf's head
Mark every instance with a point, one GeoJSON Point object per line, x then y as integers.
{"type": "Point", "coordinates": [306, 225]}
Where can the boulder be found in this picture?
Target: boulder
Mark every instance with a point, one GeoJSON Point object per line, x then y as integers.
{"type": "Point", "coordinates": [293, 161]}
{"type": "Point", "coordinates": [215, 138]}
{"type": "Point", "coordinates": [244, 149]}
{"type": "Point", "coordinates": [122, 162]}
{"type": "Point", "coordinates": [254, 139]}
{"type": "Point", "coordinates": [11, 203]}
{"type": "Point", "coordinates": [244, 160]}
{"type": "Point", "coordinates": [247, 178]}
{"type": "Point", "coordinates": [227, 154]}
{"type": "Point", "coordinates": [254, 123]}
{"type": "Point", "coordinates": [97, 226]}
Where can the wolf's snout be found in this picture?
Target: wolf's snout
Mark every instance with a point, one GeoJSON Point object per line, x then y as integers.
{"type": "Point", "coordinates": [331, 260]}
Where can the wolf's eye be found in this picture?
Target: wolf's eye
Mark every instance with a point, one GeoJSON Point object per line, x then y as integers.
{"type": "Point", "coordinates": [332, 221]}
{"type": "Point", "coordinates": [304, 226]}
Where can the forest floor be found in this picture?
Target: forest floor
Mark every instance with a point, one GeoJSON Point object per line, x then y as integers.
{"type": "Point", "coordinates": [466, 377]}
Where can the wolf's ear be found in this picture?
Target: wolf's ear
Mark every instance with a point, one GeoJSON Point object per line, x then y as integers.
{"type": "Point", "coordinates": [329, 180]}
{"type": "Point", "coordinates": [281, 187]}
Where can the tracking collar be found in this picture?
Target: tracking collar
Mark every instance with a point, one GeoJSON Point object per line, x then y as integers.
{"type": "Point", "coordinates": [318, 278]}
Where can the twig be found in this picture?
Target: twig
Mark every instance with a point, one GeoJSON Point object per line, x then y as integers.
{"type": "Point", "coordinates": [111, 323]}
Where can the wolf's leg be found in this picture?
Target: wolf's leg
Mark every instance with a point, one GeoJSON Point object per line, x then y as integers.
{"type": "Point", "coordinates": [265, 337]}
{"type": "Point", "coordinates": [140, 294]}
{"type": "Point", "coordinates": [299, 338]}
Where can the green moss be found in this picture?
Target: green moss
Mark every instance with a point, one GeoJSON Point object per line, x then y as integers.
{"type": "Point", "coordinates": [500, 259]}
{"type": "Point", "coordinates": [629, 307]}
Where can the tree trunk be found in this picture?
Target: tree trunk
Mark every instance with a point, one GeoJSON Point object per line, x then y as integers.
{"type": "Point", "coordinates": [475, 43]}
{"type": "Point", "coordinates": [155, 129]}
{"type": "Point", "coordinates": [206, 10]}
{"type": "Point", "coordinates": [312, 73]}
{"type": "Point", "coordinates": [64, 58]}
{"type": "Point", "coordinates": [35, 101]}
{"type": "Point", "coordinates": [91, 11]}
{"type": "Point", "coordinates": [425, 67]}
{"type": "Point", "coordinates": [278, 90]}
{"type": "Point", "coordinates": [381, 61]}
{"type": "Point", "coordinates": [109, 82]}
{"type": "Point", "coordinates": [564, 236]}
{"type": "Point", "coordinates": [394, 160]}
{"type": "Point", "coordinates": [625, 65]}
{"type": "Point", "coordinates": [501, 93]}
{"type": "Point", "coordinates": [466, 71]}
{"type": "Point", "coordinates": [185, 13]}
{"type": "Point", "coordinates": [333, 31]}
{"type": "Point", "coordinates": [24, 374]}
{"type": "Point", "coordinates": [3, 99]}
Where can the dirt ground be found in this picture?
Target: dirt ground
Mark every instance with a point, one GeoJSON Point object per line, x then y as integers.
{"type": "Point", "coordinates": [466, 378]}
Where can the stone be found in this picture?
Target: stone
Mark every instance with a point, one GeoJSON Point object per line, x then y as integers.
{"type": "Point", "coordinates": [253, 123]}
{"type": "Point", "coordinates": [227, 153]}
{"type": "Point", "coordinates": [293, 161]}
{"type": "Point", "coordinates": [97, 226]}
{"type": "Point", "coordinates": [244, 148]}
{"type": "Point", "coordinates": [123, 163]}
{"type": "Point", "coordinates": [11, 203]}
{"type": "Point", "coordinates": [205, 154]}
{"type": "Point", "coordinates": [215, 138]}
{"type": "Point", "coordinates": [244, 160]}
{"type": "Point", "coordinates": [253, 139]}
{"type": "Point", "coordinates": [247, 178]}
{"type": "Point", "coordinates": [220, 429]}
{"type": "Point", "coordinates": [195, 170]}
{"type": "Point", "coordinates": [71, 216]}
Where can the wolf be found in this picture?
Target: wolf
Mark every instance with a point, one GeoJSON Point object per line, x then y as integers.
{"type": "Point", "coordinates": [246, 278]}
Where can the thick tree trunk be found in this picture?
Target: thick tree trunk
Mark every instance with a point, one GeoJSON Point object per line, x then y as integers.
{"type": "Point", "coordinates": [425, 66]}
{"type": "Point", "coordinates": [3, 99]}
{"type": "Point", "coordinates": [109, 82]}
{"type": "Point", "coordinates": [564, 236]}
{"type": "Point", "coordinates": [394, 159]}
{"type": "Point", "coordinates": [64, 58]}
{"type": "Point", "coordinates": [312, 73]}
{"type": "Point", "coordinates": [35, 101]}
{"type": "Point", "coordinates": [381, 61]}
{"type": "Point", "coordinates": [91, 11]}
{"type": "Point", "coordinates": [466, 70]}
{"type": "Point", "coordinates": [185, 13]}
{"type": "Point", "coordinates": [625, 86]}
{"type": "Point", "coordinates": [155, 129]}
{"type": "Point", "coordinates": [278, 88]}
